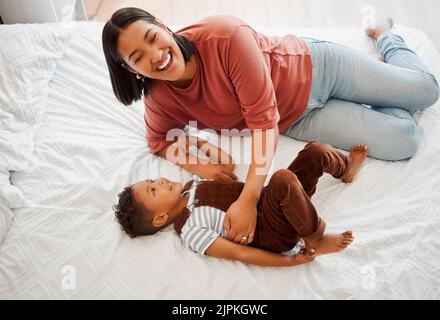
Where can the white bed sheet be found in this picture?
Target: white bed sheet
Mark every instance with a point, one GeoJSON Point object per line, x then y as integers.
{"type": "Point", "coordinates": [90, 147]}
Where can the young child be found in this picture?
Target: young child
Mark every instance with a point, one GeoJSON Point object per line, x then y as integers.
{"type": "Point", "coordinates": [288, 230]}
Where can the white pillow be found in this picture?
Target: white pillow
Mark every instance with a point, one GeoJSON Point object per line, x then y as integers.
{"type": "Point", "coordinates": [28, 57]}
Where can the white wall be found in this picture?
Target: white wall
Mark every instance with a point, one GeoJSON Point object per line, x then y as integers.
{"type": "Point", "coordinates": [40, 11]}
{"type": "Point", "coordinates": [422, 14]}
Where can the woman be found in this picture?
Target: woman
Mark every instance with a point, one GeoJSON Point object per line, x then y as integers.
{"type": "Point", "coordinates": [225, 75]}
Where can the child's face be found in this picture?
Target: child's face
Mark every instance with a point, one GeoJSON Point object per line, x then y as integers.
{"type": "Point", "coordinates": [158, 196]}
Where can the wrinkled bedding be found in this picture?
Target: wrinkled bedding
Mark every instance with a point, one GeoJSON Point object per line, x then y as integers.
{"type": "Point", "coordinates": [90, 146]}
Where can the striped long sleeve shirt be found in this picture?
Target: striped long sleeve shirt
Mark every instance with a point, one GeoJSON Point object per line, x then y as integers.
{"type": "Point", "coordinates": [205, 225]}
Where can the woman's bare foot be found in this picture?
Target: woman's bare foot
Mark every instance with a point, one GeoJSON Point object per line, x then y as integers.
{"type": "Point", "coordinates": [379, 28]}
{"type": "Point", "coordinates": [357, 156]}
{"type": "Point", "coordinates": [331, 243]}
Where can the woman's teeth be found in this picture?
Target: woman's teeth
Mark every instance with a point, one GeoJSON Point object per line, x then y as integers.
{"type": "Point", "coordinates": [167, 60]}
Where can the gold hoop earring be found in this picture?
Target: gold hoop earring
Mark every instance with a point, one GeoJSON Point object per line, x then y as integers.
{"type": "Point", "coordinates": [138, 76]}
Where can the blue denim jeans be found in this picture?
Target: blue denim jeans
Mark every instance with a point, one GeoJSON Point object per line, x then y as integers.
{"type": "Point", "coordinates": [356, 99]}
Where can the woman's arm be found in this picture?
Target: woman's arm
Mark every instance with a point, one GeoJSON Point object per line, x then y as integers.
{"type": "Point", "coordinates": [223, 248]}
{"type": "Point", "coordinates": [250, 75]}
{"type": "Point", "coordinates": [209, 168]}
{"type": "Point", "coordinates": [241, 217]}
{"type": "Point", "coordinates": [264, 145]}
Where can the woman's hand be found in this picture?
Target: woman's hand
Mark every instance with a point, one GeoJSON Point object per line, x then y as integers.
{"type": "Point", "coordinates": [240, 221]}
{"type": "Point", "coordinates": [208, 167]}
{"type": "Point", "coordinates": [214, 171]}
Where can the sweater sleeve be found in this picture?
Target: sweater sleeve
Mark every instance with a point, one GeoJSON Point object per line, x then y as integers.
{"type": "Point", "coordinates": [159, 124]}
{"type": "Point", "coordinates": [250, 76]}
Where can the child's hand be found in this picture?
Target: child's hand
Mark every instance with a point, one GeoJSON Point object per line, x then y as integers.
{"type": "Point", "coordinates": [307, 255]}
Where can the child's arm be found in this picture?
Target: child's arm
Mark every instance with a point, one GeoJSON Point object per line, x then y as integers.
{"type": "Point", "coordinates": [223, 248]}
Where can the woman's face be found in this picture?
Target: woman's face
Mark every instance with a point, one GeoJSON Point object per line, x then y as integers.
{"type": "Point", "coordinates": [150, 50]}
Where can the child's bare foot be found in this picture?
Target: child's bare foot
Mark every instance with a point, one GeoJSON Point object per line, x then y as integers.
{"type": "Point", "coordinates": [357, 156]}
{"type": "Point", "coordinates": [379, 28]}
{"type": "Point", "coordinates": [331, 243]}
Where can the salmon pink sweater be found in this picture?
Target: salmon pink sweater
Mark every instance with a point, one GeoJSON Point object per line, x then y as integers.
{"type": "Point", "coordinates": [244, 79]}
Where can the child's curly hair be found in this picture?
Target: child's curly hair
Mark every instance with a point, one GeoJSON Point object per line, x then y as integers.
{"type": "Point", "coordinates": [134, 219]}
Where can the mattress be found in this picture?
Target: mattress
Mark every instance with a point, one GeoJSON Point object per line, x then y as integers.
{"type": "Point", "coordinates": [65, 243]}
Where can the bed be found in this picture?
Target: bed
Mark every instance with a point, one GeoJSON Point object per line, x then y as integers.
{"type": "Point", "coordinates": [60, 239]}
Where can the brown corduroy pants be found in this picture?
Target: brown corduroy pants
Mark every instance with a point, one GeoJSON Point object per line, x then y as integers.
{"type": "Point", "coordinates": [285, 211]}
